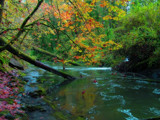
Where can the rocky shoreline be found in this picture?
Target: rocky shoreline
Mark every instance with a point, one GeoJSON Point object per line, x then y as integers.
{"type": "Point", "coordinates": [33, 100]}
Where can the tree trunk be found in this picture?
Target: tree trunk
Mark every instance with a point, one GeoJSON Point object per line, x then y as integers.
{"type": "Point", "coordinates": [1, 9]}
{"type": "Point", "coordinates": [52, 55]}
{"type": "Point", "coordinates": [27, 58]}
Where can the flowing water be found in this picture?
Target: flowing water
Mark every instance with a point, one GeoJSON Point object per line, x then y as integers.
{"type": "Point", "coordinates": [103, 94]}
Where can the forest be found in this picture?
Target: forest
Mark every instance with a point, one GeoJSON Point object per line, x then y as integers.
{"type": "Point", "coordinates": [79, 59]}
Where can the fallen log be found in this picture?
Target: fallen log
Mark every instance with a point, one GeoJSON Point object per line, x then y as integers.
{"type": "Point", "coordinates": [27, 58]}
{"type": "Point", "coordinates": [52, 55]}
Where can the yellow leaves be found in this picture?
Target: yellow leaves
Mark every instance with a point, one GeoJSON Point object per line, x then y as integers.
{"type": "Point", "coordinates": [51, 31]}
{"type": "Point", "coordinates": [121, 14]}
{"type": "Point", "coordinates": [98, 24]}
{"type": "Point", "coordinates": [102, 35]}
{"type": "Point", "coordinates": [94, 1]}
{"type": "Point", "coordinates": [82, 45]}
{"type": "Point", "coordinates": [88, 9]}
{"type": "Point", "coordinates": [64, 6]}
{"type": "Point", "coordinates": [115, 18]}
{"type": "Point", "coordinates": [71, 27]}
{"type": "Point", "coordinates": [107, 17]}
{"type": "Point", "coordinates": [110, 42]}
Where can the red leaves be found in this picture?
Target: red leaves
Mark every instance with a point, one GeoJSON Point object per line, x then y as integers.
{"type": "Point", "coordinates": [94, 81]}
{"type": "Point", "coordinates": [61, 60]}
{"type": "Point", "coordinates": [9, 89]}
{"type": "Point", "coordinates": [114, 74]}
{"type": "Point", "coordinates": [104, 45]}
{"type": "Point", "coordinates": [38, 23]}
{"type": "Point", "coordinates": [13, 36]}
{"type": "Point", "coordinates": [83, 92]}
{"type": "Point", "coordinates": [4, 32]}
{"type": "Point", "coordinates": [18, 29]}
{"type": "Point", "coordinates": [55, 58]}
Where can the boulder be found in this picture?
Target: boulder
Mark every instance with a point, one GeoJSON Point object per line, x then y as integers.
{"type": "Point", "coordinates": [15, 64]}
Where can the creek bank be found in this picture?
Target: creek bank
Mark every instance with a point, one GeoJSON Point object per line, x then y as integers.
{"type": "Point", "coordinates": [34, 105]}
{"type": "Point", "coordinates": [11, 88]}
{"type": "Point", "coordinates": [38, 102]}
{"type": "Point", "coordinates": [126, 68]}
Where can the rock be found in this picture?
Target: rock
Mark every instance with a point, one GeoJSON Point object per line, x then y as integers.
{"type": "Point", "coordinates": [14, 63]}
{"type": "Point", "coordinates": [26, 78]}
{"type": "Point", "coordinates": [32, 108]}
{"type": "Point", "coordinates": [122, 67]}
{"type": "Point", "coordinates": [153, 119]}
{"type": "Point", "coordinates": [36, 93]}
{"type": "Point", "coordinates": [9, 117]}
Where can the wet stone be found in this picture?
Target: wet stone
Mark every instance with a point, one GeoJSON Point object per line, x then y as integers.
{"type": "Point", "coordinates": [31, 108]}
{"type": "Point", "coordinates": [36, 93]}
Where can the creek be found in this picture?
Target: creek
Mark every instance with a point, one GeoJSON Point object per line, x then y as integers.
{"type": "Point", "coordinates": [99, 93]}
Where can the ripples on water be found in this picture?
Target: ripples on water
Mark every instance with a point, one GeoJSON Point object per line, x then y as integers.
{"type": "Point", "coordinates": [112, 97]}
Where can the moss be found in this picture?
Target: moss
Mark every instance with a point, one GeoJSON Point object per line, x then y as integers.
{"type": "Point", "coordinates": [3, 113]}
{"type": "Point", "coordinates": [42, 89]}
{"type": "Point", "coordinates": [41, 80]}
{"type": "Point", "coordinates": [49, 102]}
{"type": "Point", "coordinates": [60, 116]}
{"type": "Point", "coordinates": [23, 117]}
{"type": "Point", "coordinates": [79, 118]}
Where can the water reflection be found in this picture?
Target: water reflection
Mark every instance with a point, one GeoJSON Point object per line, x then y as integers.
{"type": "Point", "coordinates": [78, 98]}
{"type": "Point", "coordinates": [102, 95]}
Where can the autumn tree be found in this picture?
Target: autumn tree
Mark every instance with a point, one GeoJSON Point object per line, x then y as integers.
{"type": "Point", "coordinates": [14, 29]}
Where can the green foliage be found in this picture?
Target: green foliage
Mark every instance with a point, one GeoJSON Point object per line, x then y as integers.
{"type": "Point", "coordinates": [139, 35]}
{"type": "Point", "coordinates": [4, 60]}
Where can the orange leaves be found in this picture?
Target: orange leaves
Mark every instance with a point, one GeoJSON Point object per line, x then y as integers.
{"type": "Point", "coordinates": [67, 24]}
{"type": "Point", "coordinates": [77, 57]}
{"type": "Point", "coordinates": [89, 27]}
{"type": "Point", "coordinates": [92, 55]}
{"type": "Point", "coordinates": [104, 3]}
{"type": "Point", "coordinates": [61, 61]}
{"type": "Point", "coordinates": [33, 1]}
{"type": "Point", "coordinates": [66, 15]}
